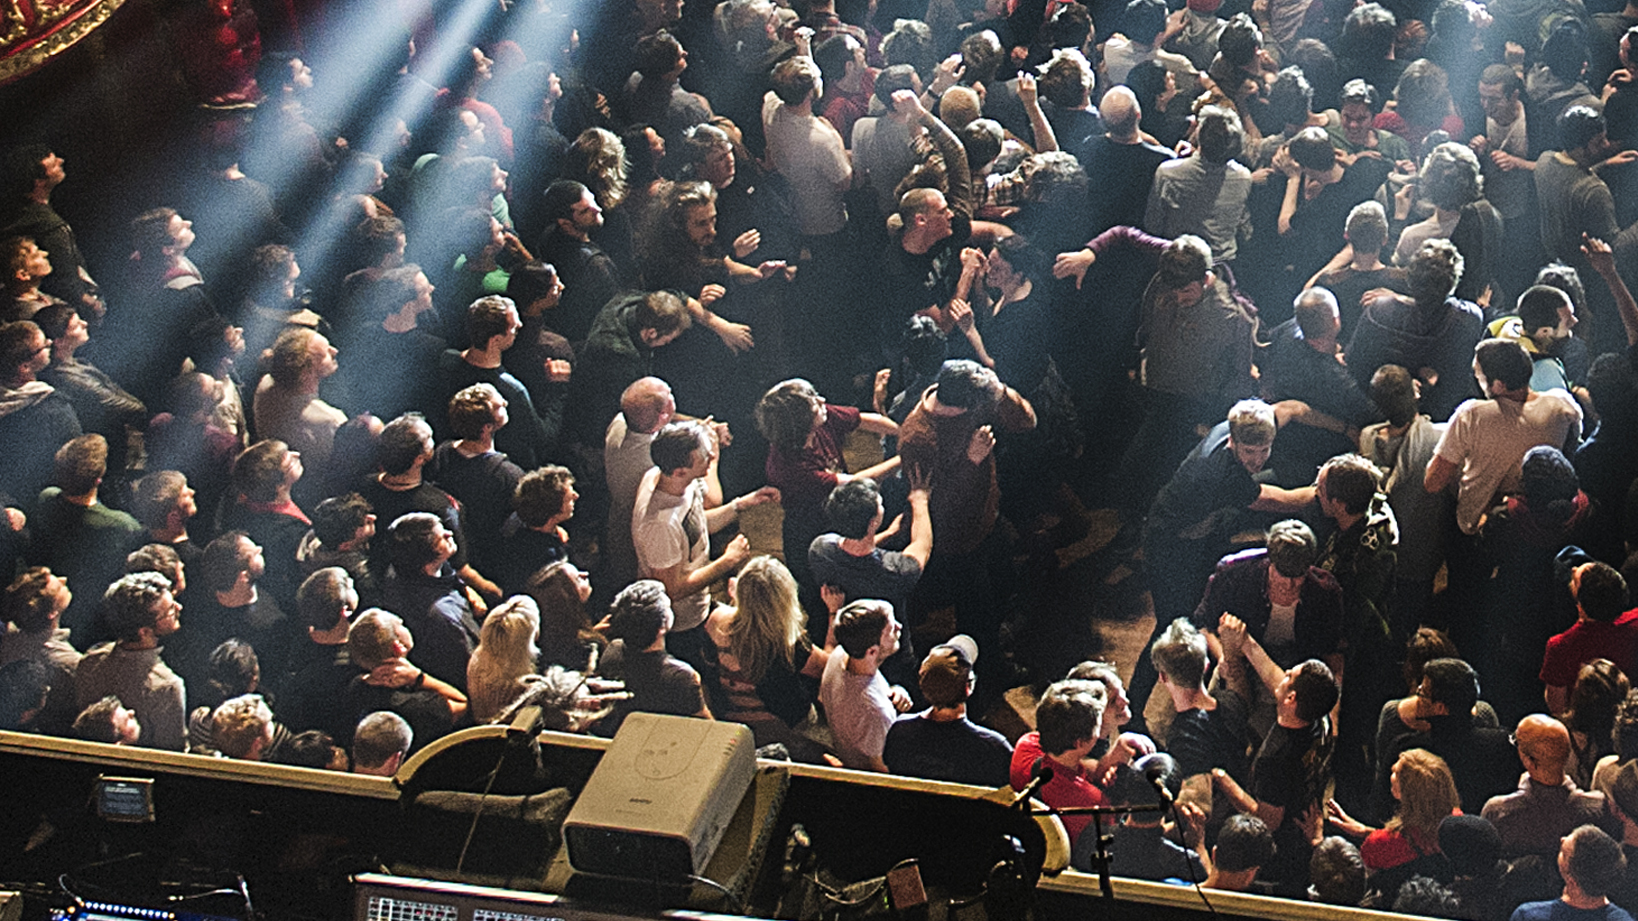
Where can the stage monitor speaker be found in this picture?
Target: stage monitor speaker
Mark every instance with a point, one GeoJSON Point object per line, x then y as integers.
{"type": "Point", "coordinates": [662, 796]}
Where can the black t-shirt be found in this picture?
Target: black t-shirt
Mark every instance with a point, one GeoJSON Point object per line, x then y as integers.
{"type": "Point", "coordinates": [483, 485]}
{"type": "Point", "coordinates": [1204, 739]}
{"type": "Point", "coordinates": [959, 751]}
{"type": "Point", "coordinates": [658, 682]}
{"type": "Point", "coordinates": [427, 712]}
{"type": "Point", "coordinates": [520, 553]}
{"type": "Point", "coordinates": [885, 574]}
{"type": "Point", "coordinates": [1291, 771]}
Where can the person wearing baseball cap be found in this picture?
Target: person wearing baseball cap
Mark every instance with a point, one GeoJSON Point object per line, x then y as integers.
{"type": "Point", "coordinates": [940, 743]}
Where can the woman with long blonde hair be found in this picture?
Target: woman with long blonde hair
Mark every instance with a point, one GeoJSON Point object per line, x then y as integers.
{"type": "Point", "coordinates": [1426, 792]}
{"type": "Point", "coordinates": [506, 653]}
{"type": "Point", "coordinates": [766, 666]}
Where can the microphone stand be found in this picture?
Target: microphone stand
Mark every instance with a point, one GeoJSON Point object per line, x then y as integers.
{"type": "Point", "coordinates": [1100, 859]}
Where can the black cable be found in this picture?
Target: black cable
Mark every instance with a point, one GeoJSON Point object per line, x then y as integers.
{"type": "Point", "coordinates": [1177, 820]}
{"type": "Point", "coordinates": [477, 814]}
{"type": "Point", "coordinates": [733, 903]}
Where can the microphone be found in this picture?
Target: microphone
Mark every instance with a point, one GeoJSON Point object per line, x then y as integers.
{"type": "Point", "coordinates": [1155, 773]}
{"type": "Point", "coordinates": [1040, 774]}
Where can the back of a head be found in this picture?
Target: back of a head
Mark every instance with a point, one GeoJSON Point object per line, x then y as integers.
{"type": "Point", "coordinates": [337, 519]}
{"type": "Point", "coordinates": [1549, 482]}
{"type": "Point", "coordinates": [1504, 361]}
{"type": "Point", "coordinates": [259, 470]}
{"type": "Point", "coordinates": [24, 684]}
{"type": "Point", "coordinates": [131, 604]}
{"type": "Point", "coordinates": [982, 138]}
{"type": "Point", "coordinates": [1578, 126]}
{"type": "Point", "coordinates": [1471, 843]}
{"type": "Point", "coordinates": [1367, 226]}
{"type": "Point", "coordinates": [81, 464]}
{"type": "Point", "coordinates": [372, 638]}
{"type": "Point", "coordinates": [1424, 895]}
{"type": "Point", "coordinates": [1351, 480]}
{"type": "Point", "coordinates": [1450, 176]}
{"type": "Point", "coordinates": [1067, 79]}
{"type": "Point", "coordinates": [661, 311]}
{"type": "Point", "coordinates": [402, 443]}
{"type": "Point", "coordinates": [639, 613]}
{"type": "Point", "coordinates": [859, 625]}
{"type": "Point", "coordinates": [1243, 844]}
{"type": "Point", "coordinates": [1601, 592]}
{"type": "Point", "coordinates": [1595, 861]}
{"type": "Point", "coordinates": [1336, 873]}
{"type": "Point", "coordinates": [540, 494]}
{"type": "Point", "coordinates": [560, 198]}
{"type": "Point", "coordinates": [1220, 134]}
{"type": "Point", "coordinates": [1423, 93]}
{"type": "Point", "coordinates": [380, 736]}
{"type": "Point", "coordinates": [852, 506]}
{"type": "Point", "coordinates": [1565, 49]}
{"type": "Point", "coordinates": [1291, 97]}
{"type": "Point", "coordinates": [1121, 113]}
{"type": "Point", "coordinates": [1069, 713]}
{"type": "Point", "coordinates": [1539, 306]}
{"type": "Point", "coordinates": [223, 560]}
{"type": "Point", "coordinates": [1180, 654]}
{"type": "Point", "coordinates": [1312, 149]}
{"type": "Point", "coordinates": [1453, 683]}
{"type": "Point", "coordinates": [966, 384]}
{"type": "Point", "coordinates": [324, 598]}
{"type": "Point", "coordinates": [1185, 261]}
{"type": "Point", "coordinates": [1393, 390]}
{"type": "Point", "coordinates": [1144, 20]}
{"type": "Point", "coordinates": [1316, 312]}
{"type": "Point", "coordinates": [1434, 272]}
{"type": "Point", "coordinates": [411, 542]}
{"type": "Point", "coordinates": [1544, 740]}
{"type": "Point", "coordinates": [1368, 32]}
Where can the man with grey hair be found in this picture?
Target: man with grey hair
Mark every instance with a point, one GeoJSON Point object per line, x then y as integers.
{"type": "Point", "coordinates": [1124, 162]}
{"type": "Point", "coordinates": [380, 743]}
{"type": "Point", "coordinates": [1302, 364]}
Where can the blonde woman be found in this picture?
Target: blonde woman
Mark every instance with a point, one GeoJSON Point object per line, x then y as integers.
{"type": "Point", "coordinates": [1422, 785]}
{"type": "Point", "coordinates": [767, 669]}
{"type": "Point", "coordinates": [506, 653]}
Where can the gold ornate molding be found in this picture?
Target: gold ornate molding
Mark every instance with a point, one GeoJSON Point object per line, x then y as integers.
{"type": "Point", "coordinates": [32, 32]}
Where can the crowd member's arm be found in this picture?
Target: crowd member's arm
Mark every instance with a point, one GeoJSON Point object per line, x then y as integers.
{"type": "Point", "coordinates": [1278, 499]}
{"type": "Point", "coordinates": [961, 313]}
{"type": "Point", "coordinates": [737, 336]}
{"type": "Point", "coordinates": [921, 521]}
{"type": "Point", "coordinates": [717, 518]}
{"type": "Point", "coordinates": [947, 74]}
{"type": "Point", "coordinates": [681, 584]}
{"type": "Point", "coordinates": [1030, 97]}
{"type": "Point", "coordinates": [1075, 263]}
{"type": "Point", "coordinates": [1293, 188]}
{"type": "Point", "coordinates": [1440, 474]}
{"type": "Point", "coordinates": [400, 673]}
{"type": "Point", "coordinates": [1602, 258]}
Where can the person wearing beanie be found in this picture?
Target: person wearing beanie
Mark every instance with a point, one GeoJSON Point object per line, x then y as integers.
{"type": "Point", "coordinates": [940, 742]}
{"type": "Point", "coordinates": [1473, 847]}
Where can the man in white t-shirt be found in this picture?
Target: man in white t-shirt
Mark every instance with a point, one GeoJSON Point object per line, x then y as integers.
{"type": "Point", "coordinates": [644, 406]}
{"type": "Point", "coordinates": [859, 704]}
{"type": "Point", "coordinates": [1486, 439]}
{"type": "Point", "coordinates": [678, 506]}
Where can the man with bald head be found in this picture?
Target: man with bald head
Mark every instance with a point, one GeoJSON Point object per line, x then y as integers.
{"type": "Point", "coordinates": [1547, 805]}
{"type": "Point", "coordinates": [645, 406]}
{"type": "Point", "coordinates": [1126, 159]}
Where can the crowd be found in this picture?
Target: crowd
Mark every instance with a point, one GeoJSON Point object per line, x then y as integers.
{"type": "Point", "coordinates": [1326, 300]}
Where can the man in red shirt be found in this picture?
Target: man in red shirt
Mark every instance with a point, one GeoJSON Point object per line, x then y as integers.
{"type": "Point", "coordinates": [1604, 629]}
{"type": "Point", "coordinates": [1067, 721]}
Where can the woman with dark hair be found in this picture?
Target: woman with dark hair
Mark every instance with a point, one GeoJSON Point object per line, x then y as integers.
{"type": "Point", "coordinates": [1599, 692]}
{"type": "Point", "coordinates": [1165, 116]}
{"type": "Point", "coordinates": [567, 637]}
{"type": "Point", "coordinates": [805, 438]}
